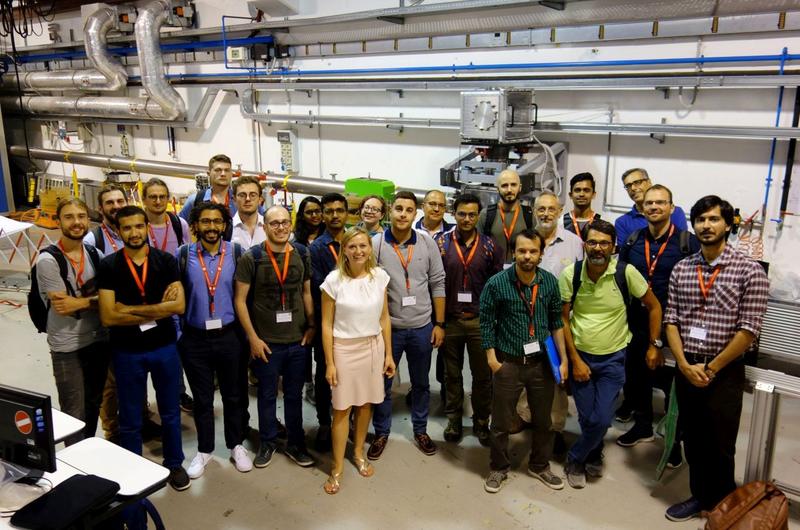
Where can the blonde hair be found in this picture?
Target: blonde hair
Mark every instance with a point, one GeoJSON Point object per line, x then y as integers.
{"type": "Point", "coordinates": [349, 235]}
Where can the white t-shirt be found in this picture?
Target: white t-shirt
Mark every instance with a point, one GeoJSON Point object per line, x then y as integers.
{"type": "Point", "coordinates": [359, 303]}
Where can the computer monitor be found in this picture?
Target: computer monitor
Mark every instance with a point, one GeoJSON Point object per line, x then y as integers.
{"type": "Point", "coordinates": [26, 429]}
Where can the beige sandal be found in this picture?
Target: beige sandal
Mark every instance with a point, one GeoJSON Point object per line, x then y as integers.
{"type": "Point", "coordinates": [332, 485]}
{"type": "Point", "coordinates": [365, 469]}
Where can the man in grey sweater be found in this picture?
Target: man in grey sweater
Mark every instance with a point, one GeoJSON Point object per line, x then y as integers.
{"type": "Point", "coordinates": [416, 293]}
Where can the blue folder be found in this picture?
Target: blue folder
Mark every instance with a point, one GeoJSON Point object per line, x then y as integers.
{"type": "Point", "coordinates": [554, 358]}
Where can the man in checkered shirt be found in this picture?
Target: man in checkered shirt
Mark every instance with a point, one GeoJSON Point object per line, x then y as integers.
{"type": "Point", "coordinates": [717, 300]}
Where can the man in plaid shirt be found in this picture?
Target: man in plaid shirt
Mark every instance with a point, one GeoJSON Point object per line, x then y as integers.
{"type": "Point", "coordinates": [716, 302]}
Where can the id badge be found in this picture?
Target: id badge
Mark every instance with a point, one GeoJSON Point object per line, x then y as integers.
{"type": "Point", "coordinates": [698, 333]}
{"type": "Point", "coordinates": [144, 326]}
{"type": "Point", "coordinates": [531, 348]}
{"type": "Point", "coordinates": [409, 301]}
{"type": "Point", "coordinates": [282, 317]}
{"type": "Point", "coordinates": [507, 266]}
{"type": "Point", "coordinates": [465, 297]}
{"type": "Point", "coordinates": [214, 323]}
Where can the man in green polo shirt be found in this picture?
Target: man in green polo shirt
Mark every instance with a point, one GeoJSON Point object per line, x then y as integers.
{"type": "Point", "coordinates": [596, 335]}
{"type": "Point", "coordinates": [520, 308]}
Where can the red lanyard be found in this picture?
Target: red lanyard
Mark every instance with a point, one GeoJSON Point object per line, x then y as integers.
{"type": "Point", "coordinates": [140, 282]}
{"type": "Point", "coordinates": [705, 289]}
{"type": "Point", "coordinates": [529, 304]}
{"type": "Point", "coordinates": [405, 263]}
{"type": "Point", "coordinates": [166, 233]}
{"type": "Point", "coordinates": [77, 268]}
{"type": "Point", "coordinates": [466, 262]}
{"type": "Point", "coordinates": [576, 225]}
{"type": "Point", "coordinates": [281, 277]}
{"type": "Point", "coordinates": [508, 231]}
{"type": "Point", "coordinates": [227, 199]}
{"type": "Point", "coordinates": [107, 232]}
{"type": "Point", "coordinates": [333, 251]}
{"type": "Point", "coordinates": [651, 267]}
{"type": "Point", "coordinates": [212, 287]}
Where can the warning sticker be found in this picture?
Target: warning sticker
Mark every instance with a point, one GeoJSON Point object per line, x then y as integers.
{"type": "Point", "coordinates": [23, 421]}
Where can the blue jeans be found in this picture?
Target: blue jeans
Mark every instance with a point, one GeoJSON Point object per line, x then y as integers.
{"type": "Point", "coordinates": [131, 369]}
{"type": "Point", "coordinates": [416, 343]}
{"type": "Point", "coordinates": [289, 361]}
{"type": "Point", "coordinates": [594, 400]}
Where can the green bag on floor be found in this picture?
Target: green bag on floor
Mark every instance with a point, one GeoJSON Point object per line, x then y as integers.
{"type": "Point", "coordinates": [667, 427]}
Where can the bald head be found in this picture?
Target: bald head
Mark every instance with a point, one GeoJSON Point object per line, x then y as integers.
{"type": "Point", "coordinates": [278, 225]}
{"type": "Point", "coordinates": [508, 186]}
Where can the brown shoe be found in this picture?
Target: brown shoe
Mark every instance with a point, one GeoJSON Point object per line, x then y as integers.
{"type": "Point", "coordinates": [425, 444]}
{"type": "Point", "coordinates": [518, 425]}
{"type": "Point", "coordinates": [377, 446]}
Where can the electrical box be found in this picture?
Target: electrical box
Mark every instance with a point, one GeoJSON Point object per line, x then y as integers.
{"type": "Point", "coordinates": [497, 116]}
{"type": "Point", "coordinates": [288, 142]}
{"type": "Point", "coordinates": [237, 54]}
{"type": "Point", "coordinates": [126, 18]}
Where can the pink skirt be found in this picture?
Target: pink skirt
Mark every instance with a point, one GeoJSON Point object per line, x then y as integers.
{"type": "Point", "coordinates": [359, 370]}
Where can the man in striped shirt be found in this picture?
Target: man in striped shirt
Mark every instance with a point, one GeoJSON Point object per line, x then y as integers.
{"type": "Point", "coordinates": [716, 303]}
{"type": "Point", "coordinates": [519, 309]}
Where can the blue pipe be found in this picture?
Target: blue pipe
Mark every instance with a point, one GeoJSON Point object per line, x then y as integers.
{"type": "Point", "coordinates": [167, 48]}
{"type": "Point", "coordinates": [784, 54]}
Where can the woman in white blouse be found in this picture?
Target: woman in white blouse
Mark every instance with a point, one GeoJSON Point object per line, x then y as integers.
{"type": "Point", "coordinates": [356, 337]}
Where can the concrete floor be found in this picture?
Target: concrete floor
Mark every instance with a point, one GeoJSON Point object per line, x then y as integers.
{"type": "Point", "coordinates": [409, 490]}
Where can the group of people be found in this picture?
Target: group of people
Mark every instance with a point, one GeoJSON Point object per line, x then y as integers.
{"type": "Point", "coordinates": [537, 297]}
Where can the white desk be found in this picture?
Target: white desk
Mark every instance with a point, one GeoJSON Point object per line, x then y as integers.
{"type": "Point", "coordinates": [65, 425]}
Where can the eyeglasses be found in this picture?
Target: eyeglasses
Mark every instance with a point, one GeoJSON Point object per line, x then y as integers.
{"type": "Point", "coordinates": [635, 184]}
{"type": "Point", "coordinates": [209, 222]}
{"type": "Point", "coordinates": [605, 245]}
{"type": "Point", "coordinates": [435, 205]}
{"type": "Point", "coordinates": [244, 195]}
{"type": "Point", "coordinates": [280, 224]}
{"type": "Point", "coordinates": [467, 215]}
{"type": "Point", "coordinates": [334, 211]}
{"type": "Point", "coordinates": [661, 202]}
{"type": "Point", "coordinates": [310, 213]}
{"type": "Point", "coordinates": [372, 209]}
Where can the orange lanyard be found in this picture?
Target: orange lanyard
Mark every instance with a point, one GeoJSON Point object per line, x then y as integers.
{"type": "Point", "coordinates": [333, 251]}
{"type": "Point", "coordinates": [507, 231]}
{"type": "Point", "coordinates": [464, 262]}
{"type": "Point", "coordinates": [166, 233]}
{"type": "Point", "coordinates": [77, 268]}
{"type": "Point", "coordinates": [281, 277]}
{"type": "Point", "coordinates": [212, 287]}
{"type": "Point", "coordinates": [651, 267]}
{"type": "Point", "coordinates": [140, 282]}
{"type": "Point", "coordinates": [705, 289]}
{"type": "Point", "coordinates": [227, 200]}
{"type": "Point", "coordinates": [405, 263]}
{"type": "Point", "coordinates": [530, 305]}
{"type": "Point", "coordinates": [107, 232]}
{"type": "Point", "coordinates": [575, 223]}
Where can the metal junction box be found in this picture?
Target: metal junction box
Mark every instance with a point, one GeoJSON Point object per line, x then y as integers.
{"type": "Point", "coordinates": [497, 116]}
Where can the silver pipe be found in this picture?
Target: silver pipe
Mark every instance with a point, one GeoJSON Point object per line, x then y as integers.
{"type": "Point", "coordinates": [151, 62]}
{"type": "Point", "coordinates": [308, 185]}
{"type": "Point", "coordinates": [96, 44]}
{"type": "Point", "coordinates": [86, 106]}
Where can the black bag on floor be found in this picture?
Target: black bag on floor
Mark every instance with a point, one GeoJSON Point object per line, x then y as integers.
{"type": "Point", "coordinates": [134, 517]}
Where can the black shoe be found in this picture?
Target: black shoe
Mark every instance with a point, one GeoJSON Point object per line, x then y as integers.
{"type": "Point", "coordinates": [179, 479]}
{"type": "Point", "coordinates": [299, 456]}
{"type": "Point", "coordinates": [637, 434]}
{"type": "Point", "coordinates": [323, 442]}
{"type": "Point", "coordinates": [283, 434]}
{"type": "Point", "coordinates": [187, 403]}
{"type": "Point", "coordinates": [624, 414]}
{"type": "Point", "coordinates": [480, 428]}
{"type": "Point", "coordinates": [559, 444]}
{"type": "Point", "coordinates": [675, 459]}
{"type": "Point", "coordinates": [150, 430]}
{"type": "Point", "coordinates": [264, 456]}
{"type": "Point", "coordinates": [453, 431]}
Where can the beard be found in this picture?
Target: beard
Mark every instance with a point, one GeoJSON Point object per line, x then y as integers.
{"type": "Point", "coordinates": [68, 235]}
{"type": "Point", "coordinates": [210, 236]}
{"type": "Point", "coordinates": [511, 200]}
{"type": "Point", "coordinates": [136, 246]}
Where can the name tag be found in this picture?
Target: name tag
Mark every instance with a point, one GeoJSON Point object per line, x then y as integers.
{"type": "Point", "coordinates": [144, 326]}
{"type": "Point", "coordinates": [408, 301]}
{"type": "Point", "coordinates": [281, 317]}
{"type": "Point", "coordinates": [214, 323]}
{"type": "Point", "coordinates": [698, 333]}
{"type": "Point", "coordinates": [465, 297]}
{"type": "Point", "coordinates": [507, 266]}
{"type": "Point", "coordinates": [531, 348]}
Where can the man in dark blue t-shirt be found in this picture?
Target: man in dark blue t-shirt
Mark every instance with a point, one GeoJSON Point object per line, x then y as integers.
{"type": "Point", "coordinates": [139, 292]}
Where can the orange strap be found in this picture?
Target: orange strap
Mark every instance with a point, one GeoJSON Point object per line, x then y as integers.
{"type": "Point", "coordinates": [529, 304]}
{"type": "Point", "coordinates": [140, 282]}
{"type": "Point", "coordinates": [78, 268]}
{"type": "Point", "coordinates": [705, 289]}
{"type": "Point", "coordinates": [281, 276]}
{"type": "Point", "coordinates": [212, 287]}
{"type": "Point", "coordinates": [163, 245]}
{"type": "Point", "coordinates": [507, 231]}
{"type": "Point", "coordinates": [405, 263]}
{"type": "Point", "coordinates": [651, 267]}
{"type": "Point", "coordinates": [107, 232]}
{"type": "Point", "coordinates": [464, 262]}
{"type": "Point", "coordinates": [333, 251]}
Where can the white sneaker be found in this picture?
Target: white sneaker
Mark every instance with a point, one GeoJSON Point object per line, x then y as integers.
{"type": "Point", "coordinates": [241, 459]}
{"type": "Point", "coordinates": [198, 465]}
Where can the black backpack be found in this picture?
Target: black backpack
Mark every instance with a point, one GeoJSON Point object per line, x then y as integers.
{"type": "Point", "coordinates": [619, 278]}
{"type": "Point", "coordinates": [491, 213]}
{"type": "Point", "coordinates": [38, 308]}
{"type": "Point", "coordinates": [183, 256]}
{"type": "Point", "coordinates": [258, 254]}
{"type": "Point", "coordinates": [99, 240]}
{"type": "Point", "coordinates": [199, 197]}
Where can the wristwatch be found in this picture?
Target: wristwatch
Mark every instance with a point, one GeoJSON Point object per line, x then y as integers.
{"type": "Point", "coordinates": [657, 343]}
{"type": "Point", "coordinates": [440, 324]}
